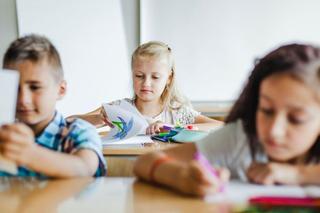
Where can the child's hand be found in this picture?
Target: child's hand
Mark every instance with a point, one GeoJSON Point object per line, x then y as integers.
{"type": "Point", "coordinates": [197, 180]}
{"type": "Point", "coordinates": [273, 173]}
{"type": "Point", "coordinates": [17, 143]}
{"type": "Point", "coordinates": [154, 128]}
{"type": "Point", "coordinates": [105, 118]}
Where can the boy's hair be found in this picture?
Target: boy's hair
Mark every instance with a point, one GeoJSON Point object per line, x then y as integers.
{"type": "Point", "coordinates": [171, 97]}
{"type": "Point", "coordinates": [302, 62]}
{"type": "Point", "coordinates": [35, 48]}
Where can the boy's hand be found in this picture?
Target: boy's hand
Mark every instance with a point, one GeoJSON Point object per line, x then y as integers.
{"type": "Point", "coordinates": [154, 128]}
{"type": "Point", "coordinates": [197, 180]}
{"type": "Point", "coordinates": [17, 143]}
{"type": "Point", "coordinates": [273, 173]}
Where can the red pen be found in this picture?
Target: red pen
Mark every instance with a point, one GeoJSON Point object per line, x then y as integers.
{"type": "Point", "coordinates": [286, 201]}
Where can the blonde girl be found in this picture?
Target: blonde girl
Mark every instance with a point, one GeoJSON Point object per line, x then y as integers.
{"type": "Point", "coordinates": [156, 95]}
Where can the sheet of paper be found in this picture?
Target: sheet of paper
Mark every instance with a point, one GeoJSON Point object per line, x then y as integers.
{"type": "Point", "coordinates": [9, 84]}
{"type": "Point", "coordinates": [128, 123]}
{"type": "Point", "coordinates": [139, 139]}
{"type": "Point", "coordinates": [241, 192]}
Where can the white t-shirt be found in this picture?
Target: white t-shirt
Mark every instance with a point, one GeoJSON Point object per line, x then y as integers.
{"type": "Point", "coordinates": [229, 147]}
{"type": "Point", "coordinates": [184, 115]}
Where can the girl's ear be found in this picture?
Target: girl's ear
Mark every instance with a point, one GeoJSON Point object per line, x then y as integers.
{"type": "Point", "coordinates": [62, 89]}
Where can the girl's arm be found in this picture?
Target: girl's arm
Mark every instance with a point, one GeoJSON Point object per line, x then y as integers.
{"type": "Point", "coordinates": [284, 173]}
{"type": "Point", "coordinates": [94, 117]}
{"type": "Point", "coordinates": [175, 168]}
{"type": "Point", "coordinates": [309, 174]}
{"type": "Point", "coordinates": [205, 123]}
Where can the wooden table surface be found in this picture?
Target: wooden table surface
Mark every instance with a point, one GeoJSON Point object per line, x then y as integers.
{"type": "Point", "coordinates": [129, 150]}
{"type": "Point", "coordinates": [95, 195]}
{"type": "Point", "coordinates": [120, 159]}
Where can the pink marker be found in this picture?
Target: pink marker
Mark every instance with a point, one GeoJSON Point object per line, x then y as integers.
{"type": "Point", "coordinates": [205, 163]}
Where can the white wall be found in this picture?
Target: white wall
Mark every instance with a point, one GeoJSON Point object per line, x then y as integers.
{"type": "Point", "coordinates": [8, 25]}
{"type": "Point", "coordinates": [216, 41]}
{"type": "Point", "coordinates": [91, 39]}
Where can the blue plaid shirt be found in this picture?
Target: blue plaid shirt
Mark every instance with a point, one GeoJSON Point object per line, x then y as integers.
{"type": "Point", "coordinates": [67, 137]}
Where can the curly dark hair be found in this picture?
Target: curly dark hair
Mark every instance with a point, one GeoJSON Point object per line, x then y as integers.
{"type": "Point", "coordinates": [300, 61]}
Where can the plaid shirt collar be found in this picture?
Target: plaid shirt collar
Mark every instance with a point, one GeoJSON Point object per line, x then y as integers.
{"type": "Point", "coordinates": [52, 132]}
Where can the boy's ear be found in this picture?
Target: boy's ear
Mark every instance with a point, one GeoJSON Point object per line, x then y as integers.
{"type": "Point", "coordinates": [62, 89]}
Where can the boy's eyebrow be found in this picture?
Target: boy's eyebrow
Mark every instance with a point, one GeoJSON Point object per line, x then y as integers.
{"type": "Point", "coordinates": [33, 82]}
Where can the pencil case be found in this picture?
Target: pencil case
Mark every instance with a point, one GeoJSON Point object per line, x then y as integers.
{"type": "Point", "coordinates": [186, 136]}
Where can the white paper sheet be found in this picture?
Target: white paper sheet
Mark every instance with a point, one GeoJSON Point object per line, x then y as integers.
{"type": "Point", "coordinates": [241, 192]}
{"type": "Point", "coordinates": [9, 84]}
{"type": "Point", "coordinates": [135, 140]}
{"type": "Point", "coordinates": [128, 123]}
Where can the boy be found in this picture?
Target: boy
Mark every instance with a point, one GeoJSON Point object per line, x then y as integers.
{"type": "Point", "coordinates": [43, 143]}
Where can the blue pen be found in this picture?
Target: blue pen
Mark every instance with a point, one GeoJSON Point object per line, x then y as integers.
{"type": "Point", "coordinates": [205, 163]}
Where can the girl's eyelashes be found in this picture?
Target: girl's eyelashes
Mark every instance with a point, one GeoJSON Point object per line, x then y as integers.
{"type": "Point", "coordinates": [153, 77]}
{"type": "Point", "coordinates": [139, 76]}
{"type": "Point", "coordinates": [292, 118]}
{"type": "Point", "coordinates": [296, 120]}
{"type": "Point", "coordinates": [266, 111]}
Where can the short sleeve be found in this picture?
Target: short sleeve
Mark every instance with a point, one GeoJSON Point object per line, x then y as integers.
{"type": "Point", "coordinates": [86, 137]}
{"type": "Point", "coordinates": [185, 115]}
{"type": "Point", "coordinates": [228, 147]}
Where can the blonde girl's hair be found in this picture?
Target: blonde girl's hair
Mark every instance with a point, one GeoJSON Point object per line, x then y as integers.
{"type": "Point", "coordinates": [170, 97]}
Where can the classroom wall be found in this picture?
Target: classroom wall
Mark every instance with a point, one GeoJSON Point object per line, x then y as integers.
{"type": "Point", "coordinates": [216, 42]}
{"type": "Point", "coordinates": [95, 40]}
{"type": "Point", "coordinates": [131, 20]}
{"type": "Point", "coordinates": [8, 25]}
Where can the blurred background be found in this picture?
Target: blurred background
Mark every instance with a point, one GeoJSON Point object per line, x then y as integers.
{"type": "Point", "coordinates": [215, 42]}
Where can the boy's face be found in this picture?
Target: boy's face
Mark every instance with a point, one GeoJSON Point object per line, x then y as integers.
{"type": "Point", "coordinates": [150, 77]}
{"type": "Point", "coordinates": [288, 118]}
{"type": "Point", "coordinates": [38, 93]}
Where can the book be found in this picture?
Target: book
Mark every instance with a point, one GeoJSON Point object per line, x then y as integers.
{"type": "Point", "coordinates": [129, 125]}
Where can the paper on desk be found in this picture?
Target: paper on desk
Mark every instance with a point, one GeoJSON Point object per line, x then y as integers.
{"type": "Point", "coordinates": [9, 83]}
{"type": "Point", "coordinates": [128, 123]}
{"type": "Point", "coordinates": [241, 192]}
{"type": "Point", "coordinates": [138, 139]}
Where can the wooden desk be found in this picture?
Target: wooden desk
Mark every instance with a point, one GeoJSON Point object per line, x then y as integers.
{"type": "Point", "coordinates": [136, 150]}
{"type": "Point", "coordinates": [120, 159]}
{"type": "Point", "coordinates": [95, 195]}
{"type": "Point", "coordinates": [114, 195]}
